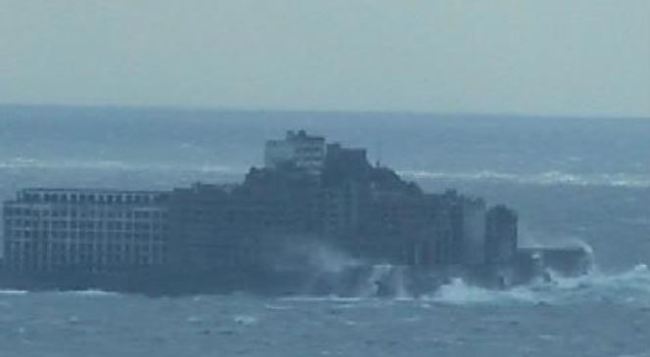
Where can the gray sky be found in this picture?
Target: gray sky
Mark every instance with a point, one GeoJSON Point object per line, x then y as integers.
{"type": "Point", "coordinates": [549, 57]}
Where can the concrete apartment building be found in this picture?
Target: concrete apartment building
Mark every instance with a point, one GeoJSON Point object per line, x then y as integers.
{"type": "Point", "coordinates": [298, 148]}
{"type": "Point", "coordinates": [307, 191]}
{"type": "Point", "coordinates": [51, 230]}
{"type": "Point", "coordinates": [500, 235]}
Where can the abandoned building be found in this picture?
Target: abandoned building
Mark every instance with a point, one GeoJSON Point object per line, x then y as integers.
{"type": "Point", "coordinates": [307, 190]}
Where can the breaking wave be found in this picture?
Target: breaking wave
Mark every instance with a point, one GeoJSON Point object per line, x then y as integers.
{"type": "Point", "coordinates": [458, 292]}
{"type": "Point", "coordinates": [540, 178]}
{"type": "Point", "coordinates": [629, 287]}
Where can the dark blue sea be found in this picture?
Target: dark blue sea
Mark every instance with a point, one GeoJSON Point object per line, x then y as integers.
{"type": "Point", "coordinates": [574, 181]}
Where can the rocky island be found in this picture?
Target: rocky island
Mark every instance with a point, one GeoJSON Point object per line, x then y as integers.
{"type": "Point", "coordinates": [318, 218]}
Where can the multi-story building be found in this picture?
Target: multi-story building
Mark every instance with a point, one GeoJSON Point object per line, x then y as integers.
{"type": "Point", "coordinates": [473, 231]}
{"type": "Point", "coordinates": [298, 149]}
{"type": "Point", "coordinates": [303, 194]}
{"type": "Point", "coordinates": [225, 228]}
{"type": "Point", "coordinates": [500, 235]}
{"type": "Point", "coordinates": [50, 230]}
{"type": "Point", "coordinates": [210, 229]}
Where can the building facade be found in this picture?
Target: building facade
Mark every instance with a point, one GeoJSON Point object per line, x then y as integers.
{"type": "Point", "coordinates": [500, 235]}
{"type": "Point", "coordinates": [307, 191]}
{"type": "Point", "coordinates": [50, 230]}
{"type": "Point", "coordinates": [298, 149]}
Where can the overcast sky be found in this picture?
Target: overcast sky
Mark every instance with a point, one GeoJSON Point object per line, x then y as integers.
{"type": "Point", "coordinates": [548, 57]}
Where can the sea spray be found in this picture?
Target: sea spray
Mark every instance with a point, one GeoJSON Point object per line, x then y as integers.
{"type": "Point", "coordinates": [385, 280]}
{"type": "Point", "coordinates": [458, 292]}
{"type": "Point", "coordinates": [304, 252]}
{"type": "Point", "coordinates": [327, 259]}
{"type": "Point", "coordinates": [372, 284]}
{"type": "Point", "coordinates": [628, 287]}
{"type": "Point", "coordinates": [400, 288]}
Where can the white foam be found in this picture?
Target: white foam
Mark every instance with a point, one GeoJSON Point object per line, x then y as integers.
{"type": "Point", "coordinates": [277, 307]}
{"type": "Point", "coordinates": [539, 178]}
{"type": "Point", "coordinates": [32, 163]}
{"type": "Point", "coordinates": [194, 320]}
{"type": "Point", "coordinates": [245, 320]}
{"type": "Point", "coordinates": [459, 293]}
{"type": "Point", "coordinates": [329, 298]}
{"type": "Point", "coordinates": [641, 268]}
{"type": "Point", "coordinates": [91, 293]}
{"type": "Point", "coordinates": [327, 259]}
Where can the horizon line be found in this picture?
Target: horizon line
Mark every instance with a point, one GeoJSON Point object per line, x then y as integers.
{"type": "Point", "coordinates": [207, 108]}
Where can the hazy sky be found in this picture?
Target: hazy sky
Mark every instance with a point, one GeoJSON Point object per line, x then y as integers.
{"type": "Point", "coordinates": [549, 57]}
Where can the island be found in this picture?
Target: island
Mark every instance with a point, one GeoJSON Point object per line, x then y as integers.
{"type": "Point", "coordinates": [317, 219]}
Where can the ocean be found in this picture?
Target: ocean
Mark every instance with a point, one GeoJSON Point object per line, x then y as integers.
{"type": "Point", "coordinates": [573, 181]}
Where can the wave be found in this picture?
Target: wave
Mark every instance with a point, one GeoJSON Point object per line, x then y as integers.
{"type": "Point", "coordinates": [87, 293]}
{"type": "Point", "coordinates": [327, 298]}
{"type": "Point", "coordinates": [31, 163]}
{"type": "Point", "coordinates": [629, 287]}
{"type": "Point", "coordinates": [90, 293]}
{"type": "Point", "coordinates": [458, 292]}
{"type": "Point", "coordinates": [539, 178]}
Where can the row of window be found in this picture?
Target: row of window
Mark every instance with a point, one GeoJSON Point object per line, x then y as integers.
{"type": "Point", "coordinates": [18, 255]}
{"type": "Point", "coordinates": [86, 225]}
{"type": "Point", "coordinates": [91, 198]}
{"type": "Point", "coordinates": [90, 235]}
{"type": "Point", "coordinates": [91, 264]}
{"type": "Point", "coordinates": [89, 225]}
{"type": "Point", "coordinates": [43, 249]}
{"type": "Point", "coordinates": [35, 212]}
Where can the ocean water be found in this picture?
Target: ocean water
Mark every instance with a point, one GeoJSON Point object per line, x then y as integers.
{"type": "Point", "coordinates": [592, 316]}
{"type": "Point", "coordinates": [573, 181]}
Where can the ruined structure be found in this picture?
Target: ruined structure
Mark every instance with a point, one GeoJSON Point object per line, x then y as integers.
{"type": "Point", "coordinates": [48, 230]}
{"type": "Point", "coordinates": [249, 234]}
